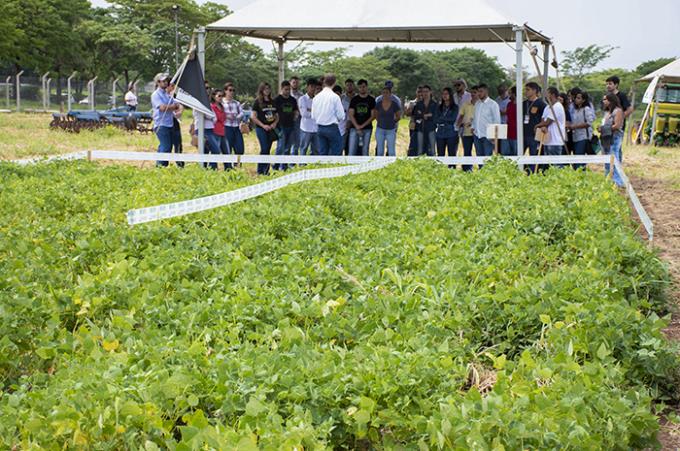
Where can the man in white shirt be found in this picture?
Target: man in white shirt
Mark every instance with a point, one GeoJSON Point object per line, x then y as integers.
{"type": "Point", "coordinates": [327, 112]}
{"type": "Point", "coordinates": [553, 124]}
{"type": "Point", "coordinates": [308, 127]}
{"type": "Point", "coordinates": [131, 98]}
{"type": "Point", "coordinates": [486, 113]}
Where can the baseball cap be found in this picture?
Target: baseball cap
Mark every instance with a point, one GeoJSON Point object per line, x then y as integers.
{"type": "Point", "coordinates": [161, 76]}
{"type": "Point", "coordinates": [389, 85]}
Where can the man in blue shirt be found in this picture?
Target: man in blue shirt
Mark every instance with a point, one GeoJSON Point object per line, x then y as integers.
{"type": "Point", "coordinates": [164, 106]}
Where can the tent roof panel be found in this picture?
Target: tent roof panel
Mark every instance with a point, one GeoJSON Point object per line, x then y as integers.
{"type": "Point", "coordinates": [370, 21]}
{"type": "Point", "coordinates": [669, 73]}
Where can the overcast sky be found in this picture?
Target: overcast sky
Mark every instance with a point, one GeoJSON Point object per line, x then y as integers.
{"type": "Point", "coordinates": [642, 29]}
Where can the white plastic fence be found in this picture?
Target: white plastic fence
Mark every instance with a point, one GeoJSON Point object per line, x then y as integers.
{"type": "Point", "coordinates": [360, 164]}
{"type": "Point", "coordinates": [175, 209]}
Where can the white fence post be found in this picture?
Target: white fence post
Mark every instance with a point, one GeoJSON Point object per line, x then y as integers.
{"type": "Point", "coordinates": [113, 93]}
{"type": "Point", "coordinates": [68, 90]}
{"type": "Point", "coordinates": [47, 95]}
{"type": "Point", "coordinates": [8, 82]}
{"type": "Point", "coordinates": [91, 90]}
{"type": "Point", "coordinates": [19, 91]}
{"type": "Point", "coordinates": [43, 80]}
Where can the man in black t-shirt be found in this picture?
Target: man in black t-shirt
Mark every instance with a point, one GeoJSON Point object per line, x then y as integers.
{"type": "Point", "coordinates": [361, 117]}
{"type": "Point", "coordinates": [287, 109]}
{"type": "Point", "coordinates": [613, 87]}
{"type": "Point", "coordinates": [533, 112]}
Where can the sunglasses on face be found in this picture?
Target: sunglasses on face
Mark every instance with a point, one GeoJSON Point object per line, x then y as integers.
{"type": "Point", "coordinates": [231, 89]}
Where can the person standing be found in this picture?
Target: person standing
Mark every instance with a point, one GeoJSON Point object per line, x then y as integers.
{"type": "Point", "coordinates": [582, 119]}
{"type": "Point", "coordinates": [287, 109]}
{"type": "Point", "coordinates": [177, 128]}
{"type": "Point", "coordinates": [217, 106]}
{"type": "Point", "coordinates": [553, 123]}
{"type": "Point", "coordinates": [361, 116]}
{"type": "Point", "coordinates": [212, 140]}
{"type": "Point", "coordinates": [503, 99]}
{"type": "Point", "coordinates": [296, 93]}
{"type": "Point", "coordinates": [613, 87]}
{"type": "Point", "coordinates": [487, 113]}
{"type": "Point", "coordinates": [533, 112]}
{"type": "Point", "coordinates": [611, 132]}
{"type": "Point", "coordinates": [509, 147]}
{"type": "Point", "coordinates": [265, 119]}
{"type": "Point", "coordinates": [465, 118]}
{"type": "Point", "coordinates": [412, 132]}
{"type": "Point", "coordinates": [425, 113]}
{"type": "Point", "coordinates": [461, 96]}
{"type": "Point", "coordinates": [446, 134]}
{"type": "Point", "coordinates": [234, 118]}
{"type": "Point", "coordinates": [131, 98]}
{"type": "Point", "coordinates": [327, 112]}
{"type": "Point", "coordinates": [388, 114]}
{"type": "Point", "coordinates": [342, 126]}
{"type": "Point", "coordinates": [163, 105]}
{"type": "Point", "coordinates": [308, 127]}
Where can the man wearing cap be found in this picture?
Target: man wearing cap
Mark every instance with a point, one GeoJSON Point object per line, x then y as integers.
{"type": "Point", "coordinates": [164, 106]}
{"type": "Point", "coordinates": [461, 96]}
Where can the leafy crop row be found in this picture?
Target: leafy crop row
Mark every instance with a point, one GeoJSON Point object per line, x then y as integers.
{"type": "Point", "coordinates": [410, 308]}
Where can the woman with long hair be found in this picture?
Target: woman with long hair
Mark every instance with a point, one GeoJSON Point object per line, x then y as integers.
{"type": "Point", "coordinates": [611, 132]}
{"type": "Point", "coordinates": [388, 114]}
{"type": "Point", "coordinates": [445, 133]}
{"type": "Point", "coordinates": [265, 119]}
{"type": "Point", "coordinates": [220, 117]}
{"type": "Point", "coordinates": [581, 126]}
{"type": "Point", "coordinates": [212, 141]}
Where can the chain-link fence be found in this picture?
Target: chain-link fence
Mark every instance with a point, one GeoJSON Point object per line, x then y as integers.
{"type": "Point", "coordinates": [47, 92]}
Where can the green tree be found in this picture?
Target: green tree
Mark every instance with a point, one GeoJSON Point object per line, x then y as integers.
{"type": "Point", "coordinates": [650, 66]}
{"type": "Point", "coordinates": [580, 61]}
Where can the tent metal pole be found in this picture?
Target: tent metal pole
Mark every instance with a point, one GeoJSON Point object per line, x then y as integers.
{"type": "Point", "coordinates": [282, 63]}
{"type": "Point", "coordinates": [200, 119]}
{"type": "Point", "coordinates": [546, 67]}
{"type": "Point", "coordinates": [519, 82]}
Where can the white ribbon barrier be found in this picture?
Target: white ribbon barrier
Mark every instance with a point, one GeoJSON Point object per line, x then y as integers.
{"type": "Point", "coordinates": [642, 214]}
{"type": "Point", "coordinates": [175, 209]}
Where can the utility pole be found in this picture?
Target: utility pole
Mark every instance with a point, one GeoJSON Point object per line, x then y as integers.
{"type": "Point", "coordinates": [175, 10]}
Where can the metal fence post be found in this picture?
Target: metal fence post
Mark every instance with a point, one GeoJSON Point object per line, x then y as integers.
{"type": "Point", "coordinates": [113, 93]}
{"type": "Point", "coordinates": [19, 91]}
{"type": "Point", "coordinates": [91, 91]}
{"type": "Point", "coordinates": [68, 90]}
{"type": "Point", "coordinates": [8, 82]}
{"type": "Point", "coordinates": [43, 80]}
{"type": "Point", "coordinates": [47, 86]}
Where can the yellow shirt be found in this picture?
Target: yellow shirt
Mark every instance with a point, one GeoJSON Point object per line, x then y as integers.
{"type": "Point", "coordinates": [467, 112]}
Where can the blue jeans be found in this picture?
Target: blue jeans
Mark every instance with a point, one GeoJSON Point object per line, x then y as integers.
{"type": "Point", "coordinates": [468, 141]}
{"type": "Point", "coordinates": [617, 142]}
{"type": "Point", "coordinates": [389, 137]}
{"type": "Point", "coordinates": [483, 147]}
{"type": "Point", "coordinates": [509, 147]}
{"type": "Point", "coordinates": [426, 143]}
{"type": "Point", "coordinates": [212, 146]}
{"type": "Point", "coordinates": [354, 142]}
{"type": "Point", "coordinates": [532, 145]}
{"type": "Point", "coordinates": [234, 139]}
{"type": "Point", "coordinates": [285, 145]}
{"type": "Point", "coordinates": [412, 143]}
{"type": "Point", "coordinates": [307, 141]}
{"type": "Point", "coordinates": [225, 149]}
{"type": "Point", "coordinates": [580, 149]}
{"type": "Point", "coordinates": [164, 135]}
{"type": "Point", "coordinates": [554, 150]}
{"type": "Point", "coordinates": [265, 149]}
{"type": "Point", "coordinates": [295, 138]}
{"type": "Point", "coordinates": [330, 140]}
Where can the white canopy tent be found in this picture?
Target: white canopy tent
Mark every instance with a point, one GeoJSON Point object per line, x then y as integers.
{"type": "Point", "coordinates": [670, 73]}
{"type": "Point", "coordinates": [399, 21]}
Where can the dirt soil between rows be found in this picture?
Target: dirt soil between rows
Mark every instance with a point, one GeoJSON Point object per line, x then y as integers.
{"type": "Point", "coordinates": [662, 203]}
